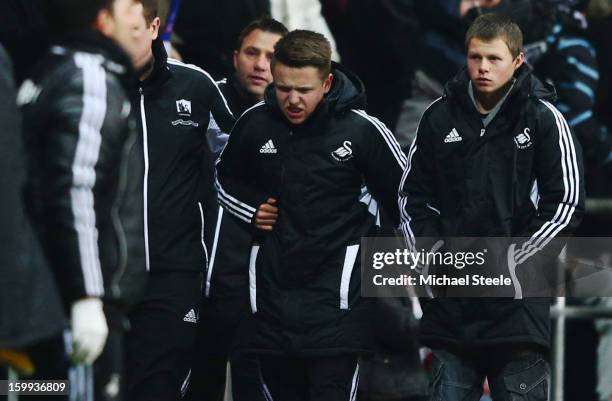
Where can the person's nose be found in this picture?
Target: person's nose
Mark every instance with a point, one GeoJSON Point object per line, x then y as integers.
{"type": "Point", "coordinates": [484, 66]}
{"type": "Point", "coordinates": [294, 98]}
{"type": "Point", "coordinates": [262, 63]}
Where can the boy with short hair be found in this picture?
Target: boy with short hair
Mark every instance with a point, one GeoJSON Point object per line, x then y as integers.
{"type": "Point", "coordinates": [481, 151]}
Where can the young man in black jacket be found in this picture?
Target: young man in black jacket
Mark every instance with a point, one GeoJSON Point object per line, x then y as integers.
{"type": "Point", "coordinates": [82, 175]}
{"type": "Point", "coordinates": [293, 171]}
{"type": "Point", "coordinates": [175, 104]}
{"type": "Point", "coordinates": [492, 158]}
{"type": "Point", "coordinates": [226, 300]}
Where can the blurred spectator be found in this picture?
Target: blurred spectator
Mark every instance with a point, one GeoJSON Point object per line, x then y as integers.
{"type": "Point", "coordinates": [23, 32]}
{"type": "Point", "coordinates": [303, 14]}
{"type": "Point", "coordinates": [31, 315]}
{"type": "Point", "coordinates": [600, 19]}
{"type": "Point", "coordinates": [208, 29]}
{"type": "Point", "coordinates": [560, 49]}
{"type": "Point", "coordinates": [381, 51]}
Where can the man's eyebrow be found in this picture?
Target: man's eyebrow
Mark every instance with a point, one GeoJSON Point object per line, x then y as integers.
{"type": "Point", "coordinates": [280, 85]}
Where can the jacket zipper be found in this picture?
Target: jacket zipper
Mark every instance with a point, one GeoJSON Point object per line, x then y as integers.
{"type": "Point", "coordinates": [121, 238]}
{"type": "Point", "coordinates": [145, 146]}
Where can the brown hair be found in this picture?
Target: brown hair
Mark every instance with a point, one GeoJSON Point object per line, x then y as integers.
{"type": "Point", "coordinates": [492, 26]}
{"type": "Point", "coordinates": [150, 9]}
{"type": "Point", "coordinates": [302, 48]}
{"type": "Point", "coordinates": [265, 24]}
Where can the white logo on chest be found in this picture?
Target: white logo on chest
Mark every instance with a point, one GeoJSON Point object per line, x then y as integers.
{"type": "Point", "coordinates": [268, 147]}
{"type": "Point", "coordinates": [344, 152]}
{"type": "Point", "coordinates": [183, 107]}
{"type": "Point", "coordinates": [523, 140]}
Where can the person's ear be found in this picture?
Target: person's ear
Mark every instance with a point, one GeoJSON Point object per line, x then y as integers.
{"type": "Point", "coordinates": [104, 22]}
{"type": "Point", "coordinates": [155, 24]}
{"type": "Point", "coordinates": [519, 60]}
{"type": "Point", "coordinates": [328, 82]}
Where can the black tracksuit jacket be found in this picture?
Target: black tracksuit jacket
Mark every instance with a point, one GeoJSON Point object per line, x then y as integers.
{"type": "Point", "coordinates": [230, 240]}
{"type": "Point", "coordinates": [305, 274]}
{"type": "Point", "coordinates": [175, 105]}
{"type": "Point", "coordinates": [84, 170]}
{"type": "Point", "coordinates": [480, 186]}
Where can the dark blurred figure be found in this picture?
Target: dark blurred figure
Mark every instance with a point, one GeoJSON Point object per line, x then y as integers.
{"type": "Point", "coordinates": [83, 179]}
{"type": "Point", "coordinates": [30, 310]}
{"type": "Point", "coordinates": [23, 32]}
{"type": "Point", "coordinates": [600, 20]}
{"type": "Point", "coordinates": [208, 30]}
{"type": "Point", "coordinates": [380, 52]}
{"type": "Point", "coordinates": [560, 48]}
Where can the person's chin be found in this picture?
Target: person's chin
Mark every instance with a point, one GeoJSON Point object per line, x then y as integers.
{"type": "Point", "coordinates": [256, 91]}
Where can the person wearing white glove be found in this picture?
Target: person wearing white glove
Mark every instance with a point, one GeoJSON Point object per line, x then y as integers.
{"type": "Point", "coordinates": [89, 330]}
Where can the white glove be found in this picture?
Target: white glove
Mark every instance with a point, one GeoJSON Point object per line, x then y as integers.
{"type": "Point", "coordinates": [89, 330]}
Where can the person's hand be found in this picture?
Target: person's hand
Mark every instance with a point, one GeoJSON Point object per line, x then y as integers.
{"type": "Point", "coordinates": [89, 330]}
{"type": "Point", "coordinates": [266, 215]}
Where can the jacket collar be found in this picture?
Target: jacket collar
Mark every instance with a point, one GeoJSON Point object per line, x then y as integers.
{"type": "Point", "coordinates": [161, 72]}
{"type": "Point", "coordinates": [92, 41]}
{"type": "Point", "coordinates": [526, 86]}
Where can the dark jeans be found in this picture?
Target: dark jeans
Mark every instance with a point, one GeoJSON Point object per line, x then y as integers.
{"type": "Point", "coordinates": [514, 374]}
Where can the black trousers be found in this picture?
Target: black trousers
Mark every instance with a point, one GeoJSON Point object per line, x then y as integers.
{"type": "Point", "coordinates": [159, 346]}
{"type": "Point", "coordinates": [219, 320]}
{"type": "Point", "coordinates": [333, 378]}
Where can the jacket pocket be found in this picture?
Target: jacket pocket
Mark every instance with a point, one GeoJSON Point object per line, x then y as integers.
{"type": "Point", "coordinates": [529, 384]}
{"type": "Point", "coordinates": [347, 270]}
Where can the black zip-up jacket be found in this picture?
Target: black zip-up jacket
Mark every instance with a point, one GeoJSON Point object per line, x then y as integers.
{"type": "Point", "coordinates": [230, 240]}
{"type": "Point", "coordinates": [480, 186]}
{"type": "Point", "coordinates": [175, 104]}
{"type": "Point", "coordinates": [305, 274]}
{"type": "Point", "coordinates": [84, 175]}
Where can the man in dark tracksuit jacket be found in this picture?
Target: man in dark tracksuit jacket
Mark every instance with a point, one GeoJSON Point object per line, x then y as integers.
{"type": "Point", "coordinates": [293, 170]}
{"type": "Point", "coordinates": [175, 105]}
{"type": "Point", "coordinates": [226, 298]}
{"type": "Point", "coordinates": [471, 172]}
{"type": "Point", "coordinates": [84, 179]}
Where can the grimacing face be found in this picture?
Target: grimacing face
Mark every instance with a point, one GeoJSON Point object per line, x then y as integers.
{"type": "Point", "coordinates": [252, 61]}
{"type": "Point", "coordinates": [299, 90]}
{"type": "Point", "coordinates": [491, 66]}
